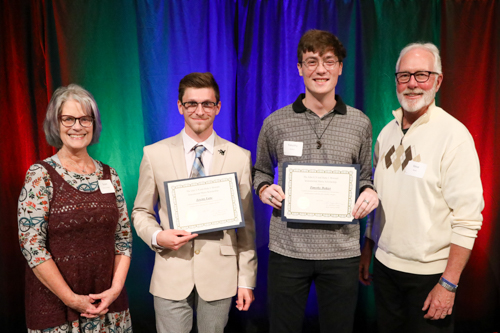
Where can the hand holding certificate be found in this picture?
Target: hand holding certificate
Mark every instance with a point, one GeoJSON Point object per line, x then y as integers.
{"type": "Point", "coordinates": [204, 204]}
{"type": "Point", "coordinates": [319, 193]}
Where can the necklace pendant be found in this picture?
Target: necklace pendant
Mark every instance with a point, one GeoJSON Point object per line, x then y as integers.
{"type": "Point", "coordinates": [319, 144]}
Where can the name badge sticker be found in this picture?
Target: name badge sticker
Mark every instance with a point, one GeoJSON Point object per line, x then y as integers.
{"type": "Point", "coordinates": [415, 169]}
{"type": "Point", "coordinates": [292, 148]}
{"type": "Point", "coordinates": [106, 186]}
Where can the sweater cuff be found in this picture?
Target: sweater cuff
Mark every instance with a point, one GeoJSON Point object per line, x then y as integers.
{"type": "Point", "coordinates": [461, 240]}
{"type": "Point", "coordinates": [365, 187]}
{"type": "Point", "coordinates": [257, 191]}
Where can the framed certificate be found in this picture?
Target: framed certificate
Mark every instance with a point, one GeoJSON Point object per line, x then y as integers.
{"type": "Point", "coordinates": [320, 193]}
{"type": "Point", "coordinates": [204, 204]}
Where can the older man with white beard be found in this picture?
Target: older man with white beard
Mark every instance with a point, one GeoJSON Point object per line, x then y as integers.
{"type": "Point", "coordinates": [428, 183]}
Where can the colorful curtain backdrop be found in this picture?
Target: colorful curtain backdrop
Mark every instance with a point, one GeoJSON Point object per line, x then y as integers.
{"type": "Point", "coordinates": [132, 54]}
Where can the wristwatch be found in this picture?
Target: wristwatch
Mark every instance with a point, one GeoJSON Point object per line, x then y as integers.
{"type": "Point", "coordinates": [448, 285]}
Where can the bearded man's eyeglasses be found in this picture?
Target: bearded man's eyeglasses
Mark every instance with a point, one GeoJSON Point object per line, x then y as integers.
{"type": "Point", "coordinates": [420, 76]}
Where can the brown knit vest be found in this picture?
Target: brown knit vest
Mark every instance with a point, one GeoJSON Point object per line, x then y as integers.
{"type": "Point", "coordinates": [81, 239]}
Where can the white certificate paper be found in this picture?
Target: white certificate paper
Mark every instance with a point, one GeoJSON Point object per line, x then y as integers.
{"type": "Point", "coordinates": [320, 193]}
{"type": "Point", "coordinates": [204, 204]}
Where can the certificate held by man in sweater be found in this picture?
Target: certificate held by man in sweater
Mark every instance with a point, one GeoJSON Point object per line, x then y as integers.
{"type": "Point", "coordinates": [204, 204]}
{"type": "Point", "coordinates": [320, 193]}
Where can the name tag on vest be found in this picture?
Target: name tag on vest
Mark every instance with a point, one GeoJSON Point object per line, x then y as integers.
{"type": "Point", "coordinates": [106, 186]}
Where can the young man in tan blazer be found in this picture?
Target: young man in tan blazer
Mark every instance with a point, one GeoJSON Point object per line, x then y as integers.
{"type": "Point", "coordinates": [196, 272]}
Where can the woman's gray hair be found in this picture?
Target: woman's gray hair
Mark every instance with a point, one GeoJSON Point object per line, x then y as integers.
{"type": "Point", "coordinates": [426, 46]}
{"type": "Point", "coordinates": [61, 95]}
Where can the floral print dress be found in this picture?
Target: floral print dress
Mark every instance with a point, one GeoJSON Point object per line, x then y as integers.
{"type": "Point", "coordinates": [32, 215]}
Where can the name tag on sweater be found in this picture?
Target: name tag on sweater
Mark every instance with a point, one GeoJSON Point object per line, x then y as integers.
{"type": "Point", "coordinates": [106, 186]}
{"type": "Point", "coordinates": [415, 169]}
{"type": "Point", "coordinates": [292, 148]}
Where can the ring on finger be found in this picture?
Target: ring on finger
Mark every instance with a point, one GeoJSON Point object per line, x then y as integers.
{"type": "Point", "coordinates": [367, 202]}
{"type": "Point", "coordinates": [271, 198]}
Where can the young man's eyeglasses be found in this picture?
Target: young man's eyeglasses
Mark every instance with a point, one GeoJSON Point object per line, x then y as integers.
{"type": "Point", "coordinates": [312, 64]}
{"type": "Point", "coordinates": [420, 76]}
{"type": "Point", "coordinates": [70, 121]}
{"type": "Point", "coordinates": [192, 106]}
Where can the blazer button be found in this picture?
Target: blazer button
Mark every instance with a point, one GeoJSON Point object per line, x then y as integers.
{"type": "Point", "coordinates": [197, 252]}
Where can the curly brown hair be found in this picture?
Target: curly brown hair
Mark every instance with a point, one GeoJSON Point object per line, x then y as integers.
{"type": "Point", "coordinates": [320, 41]}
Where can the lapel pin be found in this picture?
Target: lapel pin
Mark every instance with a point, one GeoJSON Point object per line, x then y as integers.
{"type": "Point", "coordinates": [222, 152]}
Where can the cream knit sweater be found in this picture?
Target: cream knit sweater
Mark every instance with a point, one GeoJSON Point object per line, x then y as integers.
{"type": "Point", "coordinates": [419, 216]}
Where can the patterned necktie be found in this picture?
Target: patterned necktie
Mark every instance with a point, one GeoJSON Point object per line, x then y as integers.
{"type": "Point", "coordinates": [198, 170]}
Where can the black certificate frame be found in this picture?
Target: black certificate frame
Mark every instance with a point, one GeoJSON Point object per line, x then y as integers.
{"type": "Point", "coordinates": [169, 208]}
{"type": "Point", "coordinates": [309, 221]}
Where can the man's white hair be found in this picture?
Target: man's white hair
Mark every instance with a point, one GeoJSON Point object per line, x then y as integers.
{"type": "Point", "coordinates": [426, 46]}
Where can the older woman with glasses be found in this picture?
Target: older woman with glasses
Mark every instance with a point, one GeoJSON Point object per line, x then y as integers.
{"type": "Point", "coordinates": [74, 229]}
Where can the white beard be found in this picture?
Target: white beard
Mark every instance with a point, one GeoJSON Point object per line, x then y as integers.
{"type": "Point", "coordinates": [417, 105]}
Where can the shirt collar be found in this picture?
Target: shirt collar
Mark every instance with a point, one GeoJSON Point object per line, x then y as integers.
{"type": "Point", "coordinates": [299, 107]}
{"type": "Point", "coordinates": [189, 143]}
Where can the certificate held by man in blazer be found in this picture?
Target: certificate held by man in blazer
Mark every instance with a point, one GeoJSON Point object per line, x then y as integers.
{"type": "Point", "coordinates": [190, 270]}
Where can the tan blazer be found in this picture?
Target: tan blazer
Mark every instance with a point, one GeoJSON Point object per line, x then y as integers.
{"type": "Point", "coordinates": [217, 262]}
